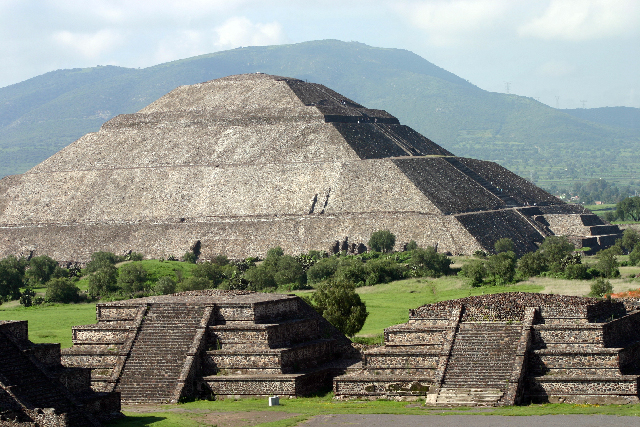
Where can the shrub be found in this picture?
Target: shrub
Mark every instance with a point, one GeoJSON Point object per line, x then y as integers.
{"type": "Point", "coordinates": [634, 256]}
{"type": "Point", "coordinates": [41, 269]}
{"type": "Point", "coordinates": [132, 278]}
{"type": "Point", "coordinates": [259, 278]}
{"type": "Point", "coordinates": [577, 271]}
{"type": "Point", "coordinates": [382, 241]}
{"type": "Point", "coordinates": [412, 246]}
{"type": "Point", "coordinates": [501, 267]}
{"type": "Point", "coordinates": [26, 297]}
{"type": "Point", "coordinates": [532, 264]}
{"type": "Point", "coordinates": [504, 245]}
{"type": "Point", "coordinates": [193, 284]}
{"type": "Point", "coordinates": [220, 260]}
{"type": "Point", "coordinates": [630, 239]}
{"type": "Point", "coordinates": [480, 254]}
{"type": "Point", "coordinates": [607, 263]}
{"type": "Point", "coordinates": [189, 257]}
{"type": "Point", "coordinates": [351, 270]}
{"type": "Point", "coordinates": [100, 260]}
{"type": "Point", "coordinates": [322, 270]}
{"type": "Point", "coordinates": [210, 271]}
{"type": "Point", "coordinates": [338, 302]}
{"type": "Point", "coordinates": [165, 285]}
{"type": "Point", "coordinates": [555, 249]}
{"type": "Point", "coordinates": [600, 288]}
{"type": "Point", "coordinates": [12, 271]}
{"type": "Point", "coordinates": [104, 281]}
{"type": "Point", "coordinates": [382, 271]}
{"type": "Point", "coordinates": [62, 290]}
{"type": "Point", "coordinates": [475, 271]}
{"type": "Point", "coordinates": [288, 271]}
{"type": "Point", "coordinates": [428, 262]}
{"type": "Point", "coordinates": [134, 256]}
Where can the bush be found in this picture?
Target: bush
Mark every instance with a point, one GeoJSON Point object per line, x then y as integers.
{"type": "Point", "coordinates": [504, 245]}
{"type": "Point", "coordinates": [382, 271]}
{"type": "Point", "coordinates": [134, 256]}
{"type": "Point", "coordinates": [193, 284]}
{"type": "Point", "coordinates": [12, 271]}
{"type": "Point", "coordinates": [165, 285]}
{"type": "Point", "coordinates": [132, 278]}
{"type": "Point", "coordinates": [600, 288]}
{"type": "Point", "coordinates": [382, 241]}
{"type": "Point", "coordinates": [532, 264]}
{"type": "Point", "coordinates": [103, 282]}
{"type": "Point", "coordinates": [607, 263]}
{"type": "Point", "coordinates": [338, 302]}
{"type": "Point", "coordinates": [555, 249]}
{"type": "Point", "coordinates": [259, 278]}
{"type": "Point", "coordinates": [26, 297]}
{"type": "Point", "coordinates": [475, 271]}
{"type": "Point", "coordinates": [62, 290]}
{"type": "Point", "coordinates": [412, 246]}
{"type": "Point", "coordinates": [189, 257]}
{"type": "Point", "coordinates": [428, 262]}
{"type": "Point", "coordinates": [501, 267]}
{"type": "Point", "coordinates": [41, 269]}
{"type": "Point", "coordinates": [634, 256]}
{"type": "Point", "coordinates": [100, 260]}
{"type": "Point", "coordinates": [576, 272]}
{"type": "Point", "coordinates": [351, 270]}
{"type": "Point", "coordinates": [322, 270]}
{"type": "Point", "coordinates": [210, 271]}
{"type": "Point", "coordinates": [288, 271]}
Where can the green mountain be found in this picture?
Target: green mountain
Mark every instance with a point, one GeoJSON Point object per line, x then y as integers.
{"type": "Point", "coordinates": [44, 114]}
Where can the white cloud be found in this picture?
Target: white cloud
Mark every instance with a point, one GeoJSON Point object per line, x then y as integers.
{"type": "Point", "coordinates": [556, 69]}
{"type": "Point", "coordinates": [450, 22]}
{"type": "Point", "coordinates": [89, 45]}
{"type": "Point", "coordinates": [577, 20]}
{"type": "Point", "coordinates": [240, 31]}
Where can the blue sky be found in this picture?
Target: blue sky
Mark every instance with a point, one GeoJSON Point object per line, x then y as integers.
{"type": "Point", "coordinates": [565, 53]}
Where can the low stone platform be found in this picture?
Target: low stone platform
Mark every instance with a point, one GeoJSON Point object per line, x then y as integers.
{"type": "Point", "coordinates": [505, 349]}
{"type": "Point", "coordinates": [36, 390]}
{"type": "Point", "coordinates": [202, 343]}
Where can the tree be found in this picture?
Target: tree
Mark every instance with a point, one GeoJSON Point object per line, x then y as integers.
{"type": "Point", "coordinates": [62, 290]}
{"type": "Point", "coordinates": [132, 278]}
{"type": "Point", "coordinates": [382, 241]}
{"type": "Point", "coordinates": [634, 256]}
{"type": "Point", "coordinates": [504, 245]}
{"type": "Point", "coordinates": [475, 271]}
{"type": "Point", "coordinates": [259, 278]}
{"type": "Point", "coordinates": [41, 269]}
{"type": "Point", "coordinates": [555, 249]}
{"type": "Point", "coordinates": [428, 262]}
{"type": "Point", "coordinates": [629, 208]}
{"type": "Point", "coordinates": [165, 285]}
{"type": "Point", "coordinates": [322, 270]}
{"type": "Point", "coordinates": [104, 281]}
{"type": "Point", "coordinates": [100, 260]}
{"type": "Point", "coordinates": [338, 302]}
{"type": "Point", "coordinates": [193, 284]}
{"type": "Point", "coordinates": [630, 239]}
{"type": "Point", "coordinates": [210, 271]}
{"type": "Point", "coordinates": [502, 267]}
{"type": "Point", "coordinates": [532, 264]}
{"type": "Point", "coordinates": [12, 271]}
{"type": "Point", "coordinates": [608, 263]}
{"type": "Point", "coordinates": [600, 288]}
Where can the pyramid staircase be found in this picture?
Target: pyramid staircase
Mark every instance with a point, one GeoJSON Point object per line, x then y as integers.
{"type": "Point", "coordinates": [161, 349]}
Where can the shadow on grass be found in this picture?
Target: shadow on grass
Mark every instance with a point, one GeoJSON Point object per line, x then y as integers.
{"type": "Point", "coordinates": [135, 421]}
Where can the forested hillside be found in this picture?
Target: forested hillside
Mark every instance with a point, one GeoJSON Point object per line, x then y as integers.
{"type": "Point", "coordinates": [552, 147]}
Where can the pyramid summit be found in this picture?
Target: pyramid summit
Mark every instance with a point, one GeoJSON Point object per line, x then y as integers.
{"type": "Point", "coordinates": [244, 163]}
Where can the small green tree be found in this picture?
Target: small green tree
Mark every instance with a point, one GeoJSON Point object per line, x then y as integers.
{"type": "Point", "coordinates": [630, 239]}
{"type": "Point", "coordinates": [504, 245]}
{"type": "Point", "coordinates": [338, 302]}
{"type": "Point", "coordinates": [189, 257]}
{"type": "Point", "coordinates": [532, 264]}
{"type": "Point", "coordinates": [322, 270]}
{"type": "Point", "coordinates": [210, 271]}
{"type": "Point", "coordinates": [165, 285]}
{"type": "Point", "coordinates": [501, 268]}
{"type": "Point", "coordinates": [26, 297]}
{"type": "Point", "coordinates": [555, 249]}
{"type": "Point", "coordinates": [634, 256]}
{"type": "Point", "coordinates": [412, 246]}
{"type": "Point", "coordinates": [260, 278]}
{"type": "Point", "coordinates": [428, 262]}
{"type": "Point", "coordinates": [289, 271]}
{"type": "Point", "coordinates": [193, 284]}
{"type": "Point", "coordinates": [382, 241]}
{"type": "Point", "coordinates": [62, 290]}
{"type": "Point", "coordinates": [600, 288]}
{"type": "Point", "coordinates": [607, 263]}
{"type": "Point", "coordinates": [41, 269]}
{"type": "Point", "coordinates": [12, 271]}
{"type": "Point", "coordinates": [132, 278]}
{"type": "Point", "coordinates": [101, 259]}
{"type": "Point", "coordinates": [475, 272]}
{"type": "Point", "coordinates": [629, 208]}
{"type": "Point", "coordinates": [351, 270]}
{"type": "Point", "coordinates": [104, 281]}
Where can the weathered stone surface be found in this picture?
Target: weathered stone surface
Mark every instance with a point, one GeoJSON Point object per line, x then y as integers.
{"type": "Point", "coordinates": [295, 163]}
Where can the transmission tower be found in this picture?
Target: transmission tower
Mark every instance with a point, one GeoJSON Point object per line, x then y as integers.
{"type": "Point", "coordinates": [584, 102]}
{"type": "Point", "coordinates": [507, 86]}
{"type": "Point", "coordinates": [557, 102]}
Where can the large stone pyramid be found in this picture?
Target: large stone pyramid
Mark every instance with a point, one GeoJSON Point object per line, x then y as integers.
{"type": "Point", "coordinates": [244, 163]}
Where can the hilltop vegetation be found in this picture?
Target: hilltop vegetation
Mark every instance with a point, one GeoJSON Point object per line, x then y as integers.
{"type": "Point", "coordinates": [552, 147]}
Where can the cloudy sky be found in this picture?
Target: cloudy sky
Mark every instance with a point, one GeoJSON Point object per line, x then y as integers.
{"type": "Point", "coordinates": [565, 53]}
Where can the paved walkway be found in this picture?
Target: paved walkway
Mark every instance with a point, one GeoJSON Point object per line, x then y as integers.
{"type": "Point", "coordinates": [384, 420]}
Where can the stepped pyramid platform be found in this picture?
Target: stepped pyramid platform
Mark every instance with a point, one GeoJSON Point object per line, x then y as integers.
{"type": "Point", "coordinates": [36, 390]}
{"type": "Point", "coordinates": [201, 343]}
{"type": "Point", "coordinates": [505, 349]}
{"type": "Point", "coordinates": [216, 164]}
